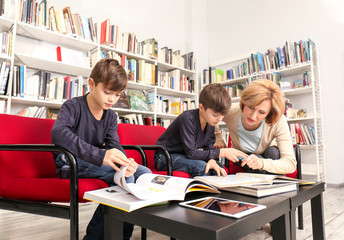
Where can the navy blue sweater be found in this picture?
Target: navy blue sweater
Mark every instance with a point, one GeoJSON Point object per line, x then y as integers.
{"type": "Point", "coordinates": [77, 130]}
{"type": "Point", "coordinates": [185, 136]}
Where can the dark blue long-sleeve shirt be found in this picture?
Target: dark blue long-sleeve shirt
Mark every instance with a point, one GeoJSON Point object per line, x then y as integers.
{"type": "Point", "coordinates": [185, 136]}
{"type": "Point", "coordinates": [76, 130]}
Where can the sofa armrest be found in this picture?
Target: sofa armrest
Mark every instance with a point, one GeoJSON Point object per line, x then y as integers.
{"type": "Point", "coordinates": [139, 149]}
{"type": "Point", "coordinates": [53, 148]}
{"type": "Point", "coordinates": [165, 152]}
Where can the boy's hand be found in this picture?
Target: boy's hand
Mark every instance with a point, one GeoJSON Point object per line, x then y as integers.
{"type": "Point", "coordinates": [212, 164]}
{"type": "Point", "coordinates": [253, 162]}
{"type": "Point", "coordinates": [232, 154]}
{"type": "Point", "coordinates": [113, 156]}
{"type": "Point", "coordinates": [220, 144]}
{"type": "Point", "coordinates": [131, 168]}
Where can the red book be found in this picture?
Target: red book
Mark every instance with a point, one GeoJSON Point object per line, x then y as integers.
{"type": "Point", "coordinates": [299, 134]}
{"type": "Point", "coordinates": [58, 53]}
{"type": "Point", "coordinates": [104, 32]}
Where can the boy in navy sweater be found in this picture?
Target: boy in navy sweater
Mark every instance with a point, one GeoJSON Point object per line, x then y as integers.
{"type": "Point", "coordinates": [87, 127]}
{"type": "Point", "coordinates": [190, 138]}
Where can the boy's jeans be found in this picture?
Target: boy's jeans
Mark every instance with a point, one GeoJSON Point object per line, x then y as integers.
{"type": "Point", "coordinates": [181, 163]}
{"type": "Point", "coordinates": [95, 228]}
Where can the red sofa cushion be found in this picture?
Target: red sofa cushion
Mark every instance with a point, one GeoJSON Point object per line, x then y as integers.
{"type": "Point", "coordinates": [32, 175]}
{"type": "Point", "coordinates": [132, 134]}
{"type": "Point", "coordinates": [233, 169]}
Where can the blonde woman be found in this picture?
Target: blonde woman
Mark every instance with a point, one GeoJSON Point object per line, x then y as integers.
{"type": "Point", "coordinates": [255, 125]}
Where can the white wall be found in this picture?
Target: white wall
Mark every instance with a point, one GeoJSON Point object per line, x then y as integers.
{"type": "Point", "coordinates": [221, 29]}
{"type": "Point", "coordinates": [237, 28]}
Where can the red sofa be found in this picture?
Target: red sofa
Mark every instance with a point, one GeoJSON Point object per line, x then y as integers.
{"type": "Point", "coordinates": [28, 179]}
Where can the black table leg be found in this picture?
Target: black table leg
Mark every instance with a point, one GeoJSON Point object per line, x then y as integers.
{"type": "Point", "coordinates": [293, 224]}
{"type": "Point", "coordinates": [113, 228]}
{"type": "Point", "coordinates": [317, 217]}
{"type": "Point", "coordinates": [280, 227]}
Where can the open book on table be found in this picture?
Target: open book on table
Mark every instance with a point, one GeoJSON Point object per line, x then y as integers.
{"type": "Point", "coordinates": [149, 189]}
{"type": "Point", "coordinates": [243, 179]}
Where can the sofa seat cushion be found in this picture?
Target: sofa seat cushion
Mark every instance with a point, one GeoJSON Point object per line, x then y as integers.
{"type": "Point", "coordinates": [47, 189]}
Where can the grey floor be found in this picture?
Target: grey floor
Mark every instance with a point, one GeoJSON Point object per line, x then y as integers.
{"type": "Point", "coordinates": [21, 226]}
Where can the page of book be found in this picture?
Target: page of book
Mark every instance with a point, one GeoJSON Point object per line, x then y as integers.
{"type": "Point", "coordinates": [162, 187]}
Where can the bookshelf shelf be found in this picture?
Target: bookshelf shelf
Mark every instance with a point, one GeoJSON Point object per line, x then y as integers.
{"type": "Point", "coordinates": [165, 115]}
{"type": "Point", "coordinates": [305, 72]}
{"type": "Point", "coordinates": [309, 118]}
{"type": "Point", "coordinates": [298, 91]}
{"type": "Point", "coordinates": [123, 110]}
{"type": "Point", "coordinates": [6, 23]}
{"type": "Point", "coordinates": [36, 102]}
{"type": "Point", "coordinates": [52, 66]}
{"type": "Point", "coordinates": [31, 31]}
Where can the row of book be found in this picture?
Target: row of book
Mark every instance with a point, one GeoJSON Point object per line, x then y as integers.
{"type": "Point", "coordinates": [57, 20]}
{"type": "Point", "coordinates": [39, 112]}
{"type": "Point", "coordinates": [141, 71]}
{"type": "Point", "coordinates": [302, 134]}
{"type": "Point", "coordinates": [6, 44]}
{"type": "Point", "coordinates": [41, 85]}
{"type": "Point", "coordinates": [235, 90]}
{"type": "Point", "coordinates": [291, 54]}
{"type": "Point", "coordinates": [5, 67]}
{"type": "Point", "coordinates": [111, 35]}
{"type": "Point", "coordinates": [134, 118]}
{"type": "Point", "coordinates": [174, 106]}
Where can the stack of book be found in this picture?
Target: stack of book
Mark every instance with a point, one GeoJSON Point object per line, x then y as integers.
{"type": "Point", "coordinates": [254, 184]}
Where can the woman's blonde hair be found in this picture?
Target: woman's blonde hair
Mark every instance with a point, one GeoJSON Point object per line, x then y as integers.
{"type": "Point", "coordinates": [260, 90]}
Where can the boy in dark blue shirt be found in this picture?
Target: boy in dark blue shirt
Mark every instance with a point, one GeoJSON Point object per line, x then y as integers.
{"type": "Point", "coordinates": [190, 138]}
{"type": "Point", "coordinates": [87, 127]}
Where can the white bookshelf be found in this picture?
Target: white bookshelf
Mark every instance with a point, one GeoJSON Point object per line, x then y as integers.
{"type": "Point", "coordinates": [35, 47]}
{"type": "Point", "coordinates": [313, 162]}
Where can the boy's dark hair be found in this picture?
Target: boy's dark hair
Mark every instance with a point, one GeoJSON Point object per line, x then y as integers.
{"type": "Point", "coordinates": [109, 72]}
{"type": "Point", "coordinates": [216, 97]}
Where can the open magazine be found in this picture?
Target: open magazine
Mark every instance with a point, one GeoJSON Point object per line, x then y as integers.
{"type": "Point", "coordinates": [244, 179]}
{"type": "Point", "coordinates": [149, 189]}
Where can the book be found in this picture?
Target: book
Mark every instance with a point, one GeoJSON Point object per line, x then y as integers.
{"type": "Point", "coordinates": [225, 207]}
{"type": "Point", "coordinates": [149, 189]}
{"type": "Point", "coordinates": [137, 100]}
{"type": "Point", "coordinates": [262, 190]}
{"type": "Point", "coordinates": [244, 179]}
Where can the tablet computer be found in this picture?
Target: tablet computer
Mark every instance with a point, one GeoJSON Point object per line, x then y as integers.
{"type": "Point", "coordinates": [226, 207]}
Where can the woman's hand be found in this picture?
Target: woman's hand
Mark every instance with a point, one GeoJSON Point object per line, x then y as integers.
{"type": "Point", "coordinates": [253, 162]}
{"type": "Point", "coordinates": [232, 154]}
{"type": "Point", "coordinates": [212, 164]}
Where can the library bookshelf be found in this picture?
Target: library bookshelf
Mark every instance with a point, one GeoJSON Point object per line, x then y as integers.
{"type": "Point", "coordinates": [36, 48]}
{"type": "Point", "coordinates": [306, 97]}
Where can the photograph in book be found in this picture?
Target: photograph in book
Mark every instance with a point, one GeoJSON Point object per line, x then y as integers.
{"type": "Point", "coordinates": [243, 179]}
{"type": "Point", "coordinates": [226, 207]}
{"type": "Point", "coordinates": [149, 189]}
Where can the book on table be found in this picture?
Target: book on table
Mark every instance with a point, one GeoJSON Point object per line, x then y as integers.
{"type": "Point", "coordinates": [149, 189]}
{"type": "Point", "coordinates": [244, 179]}
{"type": "Point", "coordinates": [262, 190]}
